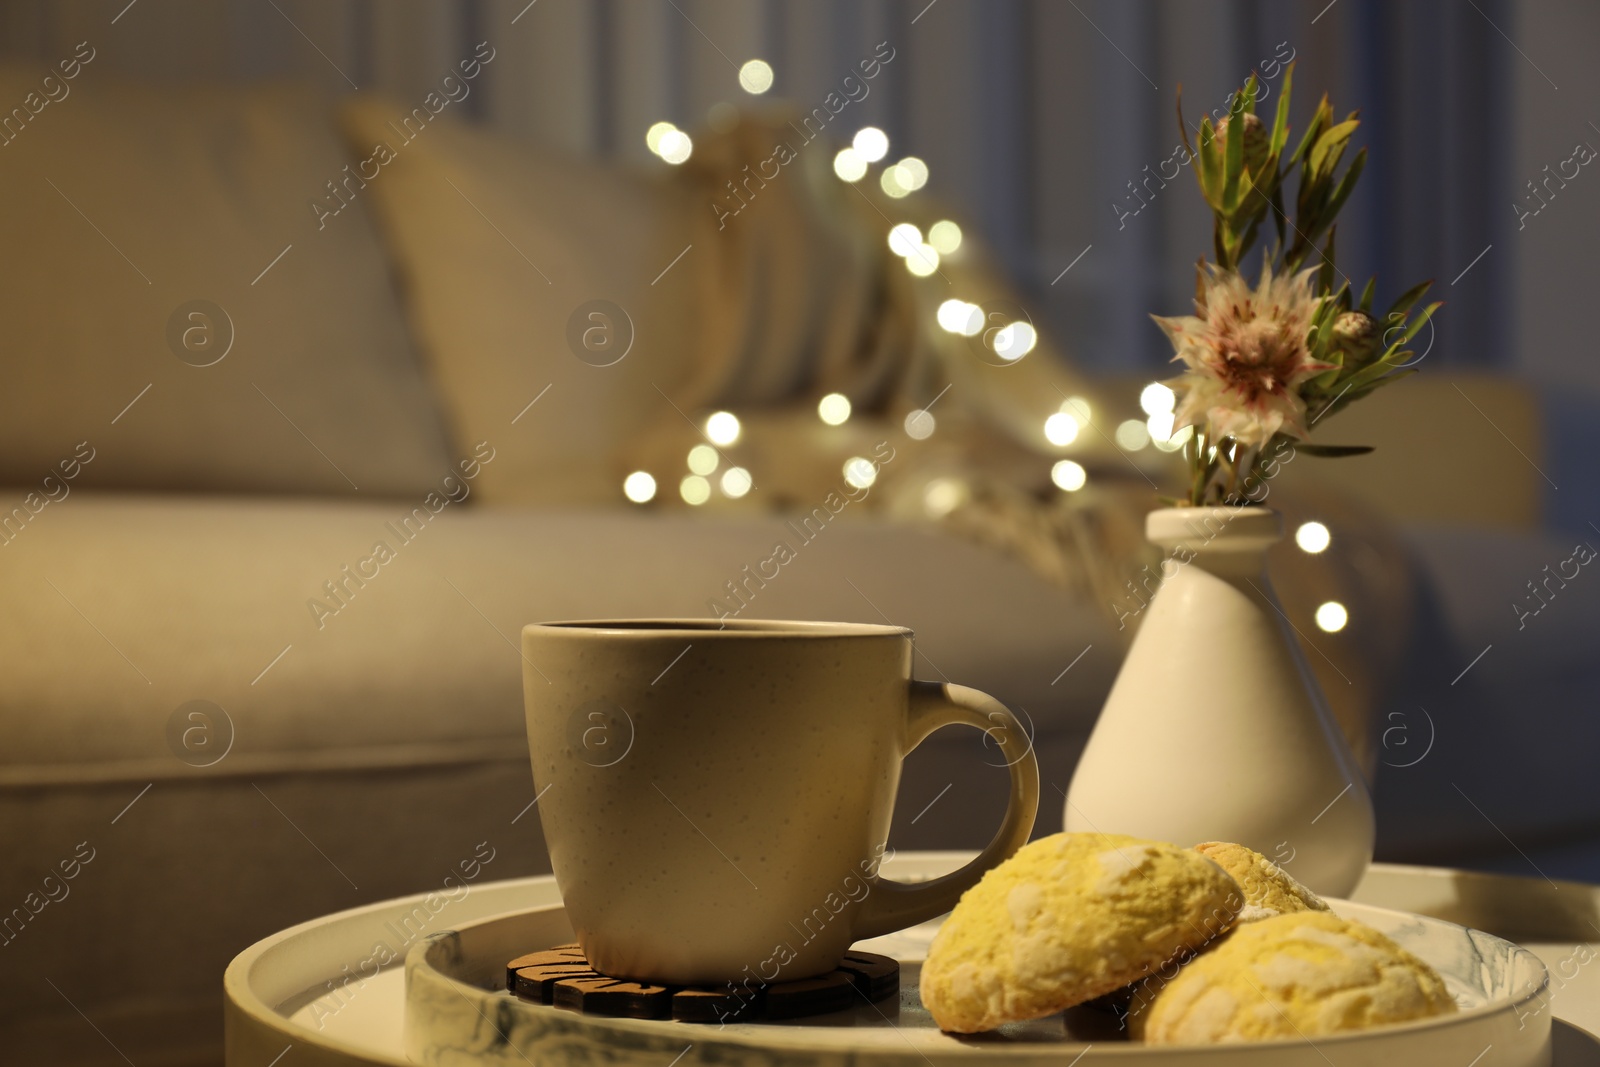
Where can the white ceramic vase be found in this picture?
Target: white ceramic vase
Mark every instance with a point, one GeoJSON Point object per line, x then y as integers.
{"type": "Point", "coordinates": [1215, 729]}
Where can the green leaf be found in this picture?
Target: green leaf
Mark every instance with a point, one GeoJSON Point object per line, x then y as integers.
{"type": "Point", "coordinates": [1241, 189]}
{"type": "Point", "coordinates": [1365, 378]}
{"type": "Point", "coordinates": [1280, 121]}
{"type": "Point", "coordinates": [1233, 164]}
{"type": "Point", "coordinates": [1324, 382]}
{"type": "Point", "coordinates": [1251, 87]}
{"type": "Point", "coordinates": [1330, 165]}
{"type": "Point", "coordinates": [1322, 326]}
{"type": "Point", "coordinates": [1422, 320]}
{"type": "Point", "coordinates": [1329, 142]}
{"type": "Point", "coordinates": [1403, 305]}
{"type": "Point", "coordinates": [1366, 295]}
{"type": "Point", "coordinates": [1361, 391]}
{"type": "Point", "coordinates": [1210, 172]}
{"type": "Point", "coordinates": [1347, 184]}
{"type": "Point", "coordinates": [1270, 178]}
{"type": "Point", "coordinates": [1325, 310]}
{"type": "Point", "coordinates": [1332, 451]}
{"type": "Point", "coordinates": [1248, 239]}
{"type": "Point", "coordinates": [1312, 197]}
{"type": "Point", "coordinates": [1319, 119]}
{"type": "Point", "coordinates": [1325, 275]}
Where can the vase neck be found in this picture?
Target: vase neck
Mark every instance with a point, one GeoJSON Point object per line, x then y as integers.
{"type": "Point", "coordinates": [1227, 541]}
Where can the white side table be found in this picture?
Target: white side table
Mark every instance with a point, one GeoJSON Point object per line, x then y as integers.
{"type": "Point", "coordinates": [331, 991]}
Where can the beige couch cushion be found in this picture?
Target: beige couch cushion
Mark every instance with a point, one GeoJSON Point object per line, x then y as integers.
{"type": "Point", "coordinates": [196, 599]}
{"type": "Point", "coordinates": [118, 205]}
{"type": "Point", "coordinates": [498, 246]}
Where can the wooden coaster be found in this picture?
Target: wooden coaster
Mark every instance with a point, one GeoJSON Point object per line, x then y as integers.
{"type": "Point", "coordinates": [612, 996]}
{"type": "Point", "coordinates": [561, 976]}
{"type": "Point", "coordinates": [875, 976]}
{"type": "Point", "coordinates": [716, 1005]}
{"type": "Point", "coordinates": [533, 977]}
{"type": "Point", "coordinates": [834, 991]}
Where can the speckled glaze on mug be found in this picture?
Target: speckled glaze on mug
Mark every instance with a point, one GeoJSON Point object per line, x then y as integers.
{"type": "Point", "coordinates": [716, 797]}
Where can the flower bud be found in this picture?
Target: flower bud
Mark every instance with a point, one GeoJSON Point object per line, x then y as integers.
{"type": "Point", "coordinates": [1256, 141]}
{"type": "Point", "coordinates": [1356, 334]}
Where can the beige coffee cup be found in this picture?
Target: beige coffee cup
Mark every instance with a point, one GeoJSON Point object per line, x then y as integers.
{"type": "Point", "coordinates": [716, 797]}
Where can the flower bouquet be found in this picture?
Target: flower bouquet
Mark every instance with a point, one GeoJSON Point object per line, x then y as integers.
{"type": "Point", "coordinates": [1265, 363]}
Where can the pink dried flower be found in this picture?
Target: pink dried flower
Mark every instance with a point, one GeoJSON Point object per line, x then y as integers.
{"type": "Point", "coordinates": [1247, 354]}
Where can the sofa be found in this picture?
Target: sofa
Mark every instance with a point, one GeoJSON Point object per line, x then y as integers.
{"type": "Point", "coordinates": [284, 483]}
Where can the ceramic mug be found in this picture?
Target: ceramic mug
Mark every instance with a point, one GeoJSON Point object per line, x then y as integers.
{"type": "Point", "coordinates": [716, 796]}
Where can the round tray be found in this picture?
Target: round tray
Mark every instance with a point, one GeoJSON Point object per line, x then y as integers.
{"type": "Point", "coordinates": [281, 1001]}
{"type": "Point", "coordinates": [457, 1011]}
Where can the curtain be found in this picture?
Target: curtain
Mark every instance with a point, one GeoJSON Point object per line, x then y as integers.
{"type": "Point", "coordinates": [1042, 121]}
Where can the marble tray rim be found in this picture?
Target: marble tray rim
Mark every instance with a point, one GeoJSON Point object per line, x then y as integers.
{"type": "Point", "coordinates": [792, 1038]}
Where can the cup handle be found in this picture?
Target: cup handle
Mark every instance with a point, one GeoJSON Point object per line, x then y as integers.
{"type": "Point", "coordinates": [896, 905]}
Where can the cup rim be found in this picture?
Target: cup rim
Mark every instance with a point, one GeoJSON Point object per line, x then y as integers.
{"type": "Point", "coordinates": [745, 629]}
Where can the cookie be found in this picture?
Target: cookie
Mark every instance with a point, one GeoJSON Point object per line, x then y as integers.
{"type": "Point", "coordinates": [1069, 918]}
{"type": "Point", "coordinates": [1268, 889]}
{"type": "Point", "coordinates": [1301, 975]}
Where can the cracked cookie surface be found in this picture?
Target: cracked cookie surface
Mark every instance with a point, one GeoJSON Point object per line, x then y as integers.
{"type": "Point", "coordinates": [1068, 918]}
{"type": "Point", "coordinates": [1268, 889]}
{"type": "Point", "coordinates": [1300, 975]}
